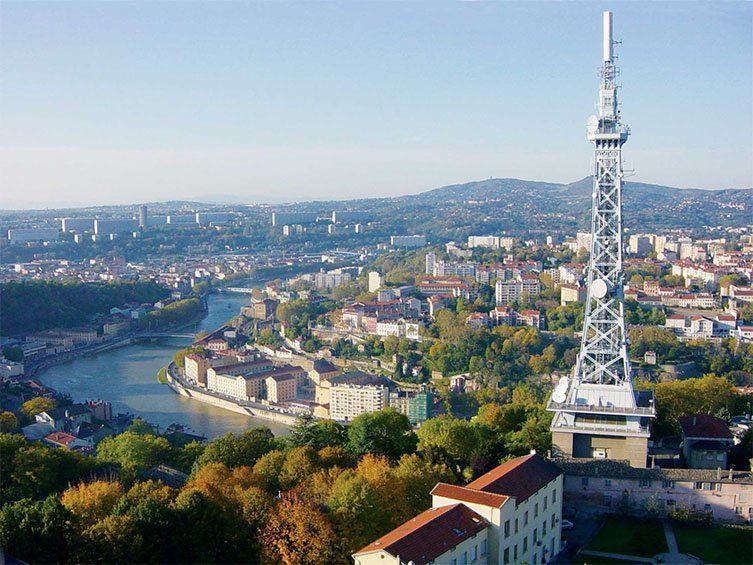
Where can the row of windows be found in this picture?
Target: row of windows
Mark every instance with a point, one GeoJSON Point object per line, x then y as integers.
{"type": "Point", "coordinates": [476, 552]}
{"type": "Point", "coordinates": [666, 484]}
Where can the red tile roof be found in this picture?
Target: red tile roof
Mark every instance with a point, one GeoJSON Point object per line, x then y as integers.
{"type": "Point", "coordinates": [703, 425]}
{"type": "Point", "coordinates": [430, 534]}
{"type": "Point", "coordinates": [469, 495]}
{"type": "Point", "coordinates": [519, 477]}
{"type": "Point", "coordinates": [60, 438]}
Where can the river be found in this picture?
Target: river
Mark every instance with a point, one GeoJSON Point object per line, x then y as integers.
{"type": "Point", "coordinates": [126, 377]}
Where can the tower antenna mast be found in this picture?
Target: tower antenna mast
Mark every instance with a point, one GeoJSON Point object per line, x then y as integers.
{"type": "Point", "coordinates": [600, 401]}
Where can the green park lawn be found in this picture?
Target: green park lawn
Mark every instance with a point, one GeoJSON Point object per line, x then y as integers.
{"type": "Point", "coordinates": [629, 536]}
{"type": "Point", "coordinates": [716, 544]}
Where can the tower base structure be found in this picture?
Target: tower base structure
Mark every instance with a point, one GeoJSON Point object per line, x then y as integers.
{"type": "Point", "coordinates": [603, 422]}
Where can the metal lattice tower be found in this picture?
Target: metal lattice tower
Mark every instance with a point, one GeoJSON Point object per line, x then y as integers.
{"type": "Point", "coordinates": [603, 354]}
{"type": "Point", "coordinates": [597, 412]}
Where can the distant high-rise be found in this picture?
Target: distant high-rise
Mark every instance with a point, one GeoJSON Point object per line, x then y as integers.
{"type": "Point", "coordinates": [597, 412]}
{"type": "Point", "coordinates": [143, 220]}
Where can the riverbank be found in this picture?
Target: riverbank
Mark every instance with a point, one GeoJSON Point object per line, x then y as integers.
{"type": "Point", "coordinates": [126, 377]}
{"type": "Point", "coordinates": [206, 397]}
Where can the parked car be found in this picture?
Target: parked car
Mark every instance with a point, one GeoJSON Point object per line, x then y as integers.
{"type": "Point", "coordinates": [567, 525]}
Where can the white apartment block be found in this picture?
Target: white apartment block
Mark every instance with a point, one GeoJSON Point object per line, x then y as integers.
{"type": "Point", "coordinates": [515, 517]}
{"type": "Point", "coordinates": [333, 279]}
{"type": "Point", "coordinates": [640, 245]}
{"type": "Point", "coordinates": [487, 241]}
{"type": "Point", "coordinates": [447, 269]}
{"type": "Point", "coordinates": [346, 401]}
{"type": "Point", "coordinates": [507, 292]}
{"type": "Point", "coordinates": [698, 274]}
{"type": "Point", "coordinates": [430, 261]}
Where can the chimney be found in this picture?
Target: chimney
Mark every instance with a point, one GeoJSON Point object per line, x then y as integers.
{"type": "Point", "coordinates": [694, 420]}
{"type": "Point", "coordinates": [718, 473]}
{"type": "Point", "coordinates": [729, 476]}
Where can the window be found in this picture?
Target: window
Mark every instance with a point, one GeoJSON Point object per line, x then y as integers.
{"type": "Point", "coordinates": [474, 553]}
{"type": "Point", "coordinates": [584, 482]}
{"type": "Point", "coordinates": [739, 510]}
{"type": "Point", "coordinates": [464, 558]}
{"type": "Point", "coordinates": [536, 510]}
{"type": "Point", "coordinates": [543, 528]}
{"type": "Point", "coordinates": [670, 502]}
{"type": "Point", "coordinates": [525, 544]}
{"type": "Point", "coordinates": [554, 495]}
{"type": "Point", "coordinates": [667, 484]}
{"type": "Point", "coordinates": [506, 558]}
{"type": "Point", "coordinates": [515, 552]}
{"type": "Point", "coordinates": [535, 535]}
{"type": "Point", "coordinates": [554, 520]}
{"type": "Point", "coordinates": [516, 525]}
{"type": "Point", "coordinates": [750, 511]}
{"type": "Point", "coordinates": [546, 502]}
{"type": "Point", "coordinates": [707, 486]}
{"type": "Point", "coordinates": [483, 547]}
{"type": "Point", "coordinates": [645, 483]}
{"type": "Point", "coordinates": [719, 487]}
{"type": "Point", "coordinates": [697, 486]}
{"type": "Point", "coordinates": [607, 482]}
{"type": "Point", "coordinates": [525, 519]}
{"type": "Point", "coordinates": [507, 529]}
{"type": "Point", "coordinates": [453, 561]}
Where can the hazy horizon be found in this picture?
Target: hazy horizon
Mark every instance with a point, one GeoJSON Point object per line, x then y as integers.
{"type": "Point", "coordinates": [120, 103]}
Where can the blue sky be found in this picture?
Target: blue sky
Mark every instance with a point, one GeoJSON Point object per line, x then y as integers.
{"type": "Point", "coordinates": [117, 102]}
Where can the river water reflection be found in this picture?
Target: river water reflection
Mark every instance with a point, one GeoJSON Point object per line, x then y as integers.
{"type": "Point", "coordinates": [126, 377]}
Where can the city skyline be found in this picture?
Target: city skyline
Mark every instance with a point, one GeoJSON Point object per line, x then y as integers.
{"type": "Point", "coordinates": [120, 103]}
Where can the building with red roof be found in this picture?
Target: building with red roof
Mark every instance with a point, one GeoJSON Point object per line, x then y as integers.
{"type": "Point", "coordinates": [511, 514]}
{"type": "Point", "coordinates": [706, 440]}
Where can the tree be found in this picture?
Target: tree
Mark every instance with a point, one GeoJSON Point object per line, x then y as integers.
{"type": "Point", "coordinates": [37, 405]}
{"type": "Point", "coordinates": [359, 513]}
{"type": "Point", "coordinates": [419, 477]}
{"type": "Point", "coordinates": [141, 427]}
{"type": "Point", "coordinates": [450, 441]}
{"type": "Point", "coordinates": [89, 503]}
{"type": "Point", "coordinates": [13, 353]}
{"type": "Point", "coordinates": [35, 471]}
{"type": "Point", "coordinates": [8, 422]}
{"type": "Point", "coordinates": [298, 533]}
{"type": "Point", "coordinates": [133, 453]}
{"type": "Point", "coordinates": [385, 432]}
{"type": "Point", "coordinates": [235, 450]}
{"type": "Point", "coordinates": [35, 531]}
{"type": "Point", "coordinates": [707, 395]}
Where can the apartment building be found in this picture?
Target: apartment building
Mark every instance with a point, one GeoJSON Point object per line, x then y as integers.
{"type": "Point", "coordinates": [524, 285]}
{"type": "Point", "coordinates": [281, 387]}
{"type": "Point", "coordinates": [354, 393]}
{"type": "Point", "coordinates": [515, 509]}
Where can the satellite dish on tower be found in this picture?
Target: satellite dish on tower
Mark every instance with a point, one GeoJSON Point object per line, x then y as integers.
{"type": "Point", "coordinates": [599, 288]}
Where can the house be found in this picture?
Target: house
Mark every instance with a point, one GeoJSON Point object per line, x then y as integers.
{"type": "Point", "coordinates": [602, 486]}
{"type": "Point", "coordinates": [511, 514]}
{"type": "Point", "coordinates": [437, 535]}
{"type": "Point", "coordinates": [322, 370]}
{"type": "Point", "coordinates": [65, 418]}
{"type": "Point", "coordinates": [64, 439]}
{"type": "Point", "coordinates": [705, 441]}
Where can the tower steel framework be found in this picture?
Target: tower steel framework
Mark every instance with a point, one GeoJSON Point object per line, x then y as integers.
{"type": "Point", "coordinates": [597, 412]}
{"type": "Point", "coordinates": [603, 353]}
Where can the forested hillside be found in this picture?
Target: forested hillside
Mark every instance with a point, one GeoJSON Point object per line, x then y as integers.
{"type": "Point", "coordinates": [27, 306]}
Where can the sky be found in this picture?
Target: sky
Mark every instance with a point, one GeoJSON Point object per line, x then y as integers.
{"type": "Point", "coordinates": [123, 102]}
